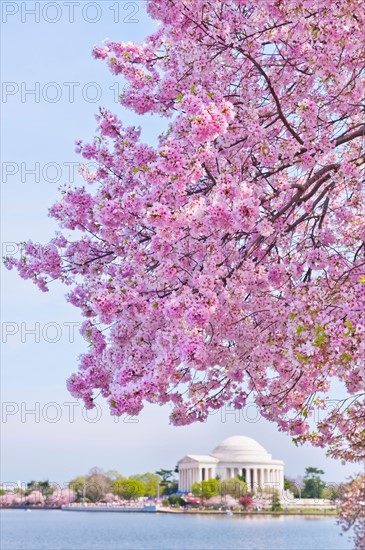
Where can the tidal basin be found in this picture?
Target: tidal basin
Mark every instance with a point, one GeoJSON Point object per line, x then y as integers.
{"type": "Point", "coordinates": [59, 530]}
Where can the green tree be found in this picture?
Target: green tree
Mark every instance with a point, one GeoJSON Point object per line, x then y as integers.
{"type": "Point", "coordinates": [128, 489]}
{"type": "Point", "coordinates": [166, 475]}
{"type": "Point", "coordinates": [78, 484]}
{"type": "Point", "coordinates": [210, 488]}
{"type": "Point", "coordinates": [168, 483]}
{"type": "Point", "coordinates": [176, 500]}
{"type": "Point", "coordinates": [313, 484]}
{"type": "Point", "coordinates": [150, 482]}
{"type": "Point", "coordinates": [275, 502]}
{"type": "Point", "coordinates": [197, 489]}
{"type": "Point", "coordinates": [206, 489]}
{"type": "Point", "coordinates": [170, 488]}
{"type": "Point", "coordinates": [234, 487]}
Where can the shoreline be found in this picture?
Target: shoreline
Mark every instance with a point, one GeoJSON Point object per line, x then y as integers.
{"type": "Point", "coordinates": [252, 514]}
{"type": "Point", "coordinates": [329, 513]}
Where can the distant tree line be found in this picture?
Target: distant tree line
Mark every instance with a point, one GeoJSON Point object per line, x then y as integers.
{"type": "Point", "coordinates": [96, 485]}
{"type": "Point", "coordinates": [311, 485]}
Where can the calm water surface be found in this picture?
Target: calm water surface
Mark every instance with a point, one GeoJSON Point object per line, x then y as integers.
{"type": "Point", "coordinates": [58, 530]}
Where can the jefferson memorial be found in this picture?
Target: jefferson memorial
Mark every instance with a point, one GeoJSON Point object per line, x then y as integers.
{"type": "Point", "coordinates": [235, 456]}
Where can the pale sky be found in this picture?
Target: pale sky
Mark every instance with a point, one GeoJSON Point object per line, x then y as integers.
{"type": "Point", "coordinates": [58, 441]}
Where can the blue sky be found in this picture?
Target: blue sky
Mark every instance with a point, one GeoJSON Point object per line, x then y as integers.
{"type": "Point", "coordinates": [52, 442]}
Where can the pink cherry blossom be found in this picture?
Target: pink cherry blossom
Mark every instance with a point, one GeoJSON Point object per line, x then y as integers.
{"type": "Point", "coordinates": [226, 262]}
{"type": "Point", "coordinates": [352, 509]}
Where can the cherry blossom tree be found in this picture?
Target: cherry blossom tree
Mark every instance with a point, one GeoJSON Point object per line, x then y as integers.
{"type": "Point", "coordinates": [225, 264]}
{"type": "Point", "coordinates": [246, 502]}
{"type": "Point", "coordinates": [352, 509]}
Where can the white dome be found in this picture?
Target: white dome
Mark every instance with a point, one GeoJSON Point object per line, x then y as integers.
{"type": "Point", "coordinates": [240, 448]}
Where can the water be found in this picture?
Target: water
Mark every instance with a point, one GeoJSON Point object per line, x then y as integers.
{"type": "Point", "coordinates": [58, 530]}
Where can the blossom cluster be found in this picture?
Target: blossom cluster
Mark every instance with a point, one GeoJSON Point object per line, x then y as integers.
{"type": "Point", "coordinates": [227, 261]}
